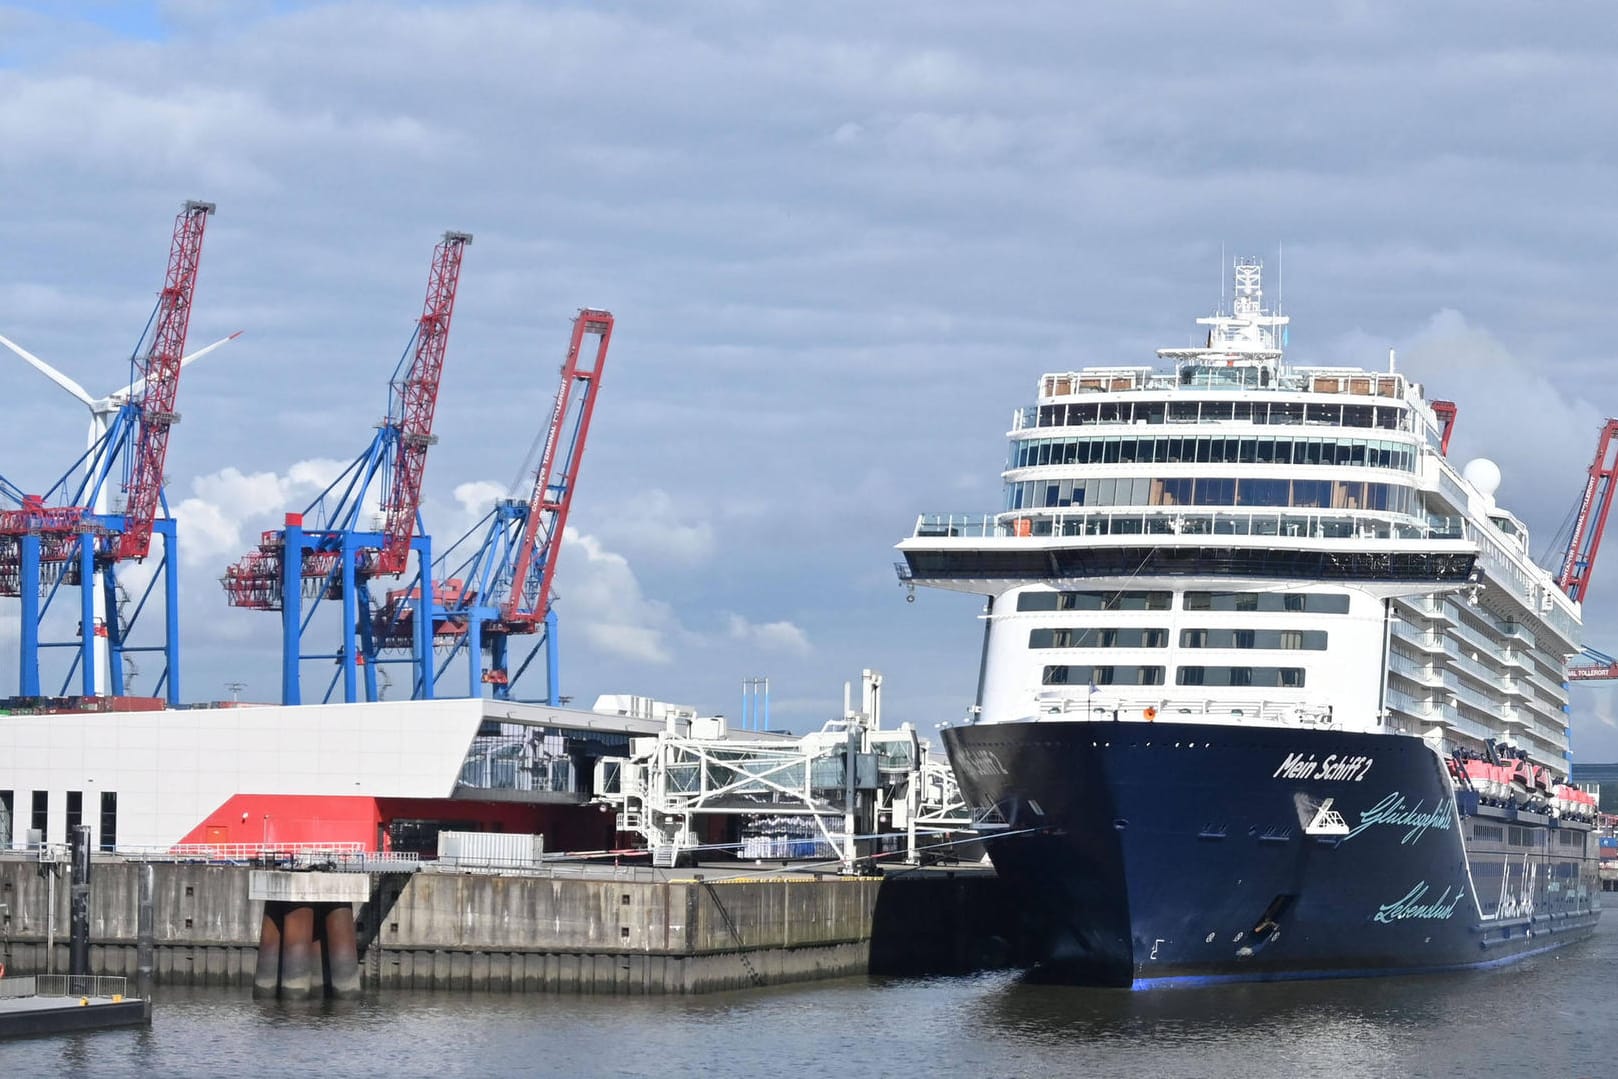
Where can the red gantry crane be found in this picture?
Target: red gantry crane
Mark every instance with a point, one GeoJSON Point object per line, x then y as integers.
{"type": "Point", "coordinates": [1589, 523]}
{"type": "Point", "coordinates": [503, 587]}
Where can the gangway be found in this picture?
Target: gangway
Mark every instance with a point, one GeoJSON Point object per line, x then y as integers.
{"type": "Point", "coordinates": [851, 782]}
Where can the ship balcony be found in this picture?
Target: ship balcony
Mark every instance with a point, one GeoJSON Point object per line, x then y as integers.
{"type": "Point", "coordinates": [1514, 658]}
{"type": "Point", "coordinates": [1515, 631]}
{"type": "Point", "coordinates": [1420, 673]}
{"type": "Point", "coordinates": [1471, 668]}
{"type": "Point", "coordinates": [1431, 608]}
{"type": "Point", "coordinates": [1423, 640]}
{"type": "Point", "coordinates": [1467, 641]}
{"type": "Point", "coordinates": [1514, 688]}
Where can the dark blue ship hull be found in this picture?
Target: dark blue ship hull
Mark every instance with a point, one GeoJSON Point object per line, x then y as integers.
{"type": "Point", "coordinates": [1161, 853]}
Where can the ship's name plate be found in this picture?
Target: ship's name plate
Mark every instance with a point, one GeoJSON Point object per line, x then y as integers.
{"type": "Point", "coordinates": [1333, 767]}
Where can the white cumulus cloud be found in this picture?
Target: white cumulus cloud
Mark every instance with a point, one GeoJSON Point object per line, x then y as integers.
{"type": "Point", "coordinates": [771, 636]}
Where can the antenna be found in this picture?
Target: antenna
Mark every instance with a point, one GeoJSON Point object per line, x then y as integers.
{"type": "Point", "coordinates": [1221, 277]}
{"type": "Point", "coordinates": [1280, 274]}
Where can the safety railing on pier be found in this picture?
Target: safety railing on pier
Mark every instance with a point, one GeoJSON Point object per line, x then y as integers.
{"type": "Point", "coordinates": [333, 857]}
{"type": "Point", "coordinates": [64, 985]}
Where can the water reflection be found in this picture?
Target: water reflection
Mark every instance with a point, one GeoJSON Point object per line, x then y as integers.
{"type": "Point", "coordinates": [1546, 1015]}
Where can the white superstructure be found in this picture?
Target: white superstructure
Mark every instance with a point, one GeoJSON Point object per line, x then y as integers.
{"type": "Point", "coordinates": [1239, 540]}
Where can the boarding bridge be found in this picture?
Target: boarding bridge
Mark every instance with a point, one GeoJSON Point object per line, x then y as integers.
{"type": "Point", "coordinates": [852, 783]}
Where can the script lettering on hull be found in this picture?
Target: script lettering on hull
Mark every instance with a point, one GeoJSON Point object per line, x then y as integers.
{"type": "Point", "coordinates": [1411, 905]}
{"type": "Point", "coordinates": [1418, 819]}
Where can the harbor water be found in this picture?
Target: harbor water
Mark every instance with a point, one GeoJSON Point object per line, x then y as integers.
{"type": "Point", "coordinates": [1550, 1014]}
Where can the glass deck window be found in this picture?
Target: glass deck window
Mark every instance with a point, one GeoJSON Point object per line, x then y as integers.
{"type": "Point", "coordinates": [1094, 601]}
{"type": "Point", "coordinates": [1099, 637]}
{"type": "Point", "coordinates": [1102, 675]}
{"type": "Point", "coordinates": [1307, 640]}
{"type": "Point", "coordinates": [1311, 602]}
{"type": "Point", "coordinates": [1269, 677]}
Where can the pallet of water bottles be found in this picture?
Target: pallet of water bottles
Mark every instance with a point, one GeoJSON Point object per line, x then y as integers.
{"type": "Point", "coordinates": [785, 847]}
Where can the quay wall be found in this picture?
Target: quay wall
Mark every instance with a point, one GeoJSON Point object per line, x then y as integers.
{"type": "Point", "coordinates": [455, 930]}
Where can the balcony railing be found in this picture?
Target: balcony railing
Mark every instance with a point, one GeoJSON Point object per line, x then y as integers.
{"type": "Point", "coordinates": [1183, 521]}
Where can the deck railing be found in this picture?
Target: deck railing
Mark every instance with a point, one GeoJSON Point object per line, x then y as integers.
{"type": "Point", "coordinates": [1183, 521]}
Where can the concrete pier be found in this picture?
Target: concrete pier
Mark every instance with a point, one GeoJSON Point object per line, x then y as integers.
{"type": "Point", "coordinates": [564, 929]}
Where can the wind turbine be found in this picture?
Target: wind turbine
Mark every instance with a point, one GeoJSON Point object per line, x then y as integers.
{"type": "Point", "coordinates": [102, 412]}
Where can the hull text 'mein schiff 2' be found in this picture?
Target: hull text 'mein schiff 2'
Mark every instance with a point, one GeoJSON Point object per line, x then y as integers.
{"type": "Point", "coordinates": [1269, 688]}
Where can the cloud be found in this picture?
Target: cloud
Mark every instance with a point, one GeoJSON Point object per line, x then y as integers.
{"type": "Point", "coordinates": [604, 599]}
{"type": "Point", "coordinates": [770, 636]}
{"type": "Point", "coordinates": [653, 526]}
{"type": "Point", "coordinates": [1511, 412]}
{"type": "Point", "coordinates": [215, 520]}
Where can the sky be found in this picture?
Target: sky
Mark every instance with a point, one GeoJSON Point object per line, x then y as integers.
{"type": "Point", "coordinates": [841, 242]}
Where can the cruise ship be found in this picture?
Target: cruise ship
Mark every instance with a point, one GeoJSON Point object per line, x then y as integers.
{"type": "Point", "coordinates": [1269, 688]}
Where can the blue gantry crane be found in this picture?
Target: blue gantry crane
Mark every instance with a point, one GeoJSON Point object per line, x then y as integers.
{"type": "Point", "coordinates": [331, 550]}
{"type": "Point", "coordinates": [75, 536]}
{"type": "Point", "coordinates": [496, 581]}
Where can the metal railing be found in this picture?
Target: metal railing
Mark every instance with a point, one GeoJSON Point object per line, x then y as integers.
{"type": "Point", "coordinates": [1104, 709]}
{"type": "Point", "coordinates": [1183, 521]}
{"type": "Point", "coordinates": [80, 985]}
{"type": "Point", "coordinates": [13, 988]}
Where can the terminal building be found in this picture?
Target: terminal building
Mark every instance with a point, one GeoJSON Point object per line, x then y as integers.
{"type": "Point", "coordinates": [370, 776]}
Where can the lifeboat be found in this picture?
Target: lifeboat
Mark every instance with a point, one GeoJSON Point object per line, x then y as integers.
{"type": "Point", "coordinates": [1522, 781]}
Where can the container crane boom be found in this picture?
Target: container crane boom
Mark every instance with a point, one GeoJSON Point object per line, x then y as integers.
{"type": "Point", "coordinates": [159, 370]}
{"type": "Point", "coordinates": [541, 543]}
{"type": "Point", "coordinates": [413, 399]}
{"type": "Point", "coordinates": [1591, 519]}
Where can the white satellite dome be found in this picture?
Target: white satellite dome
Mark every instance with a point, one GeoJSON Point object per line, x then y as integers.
{"type": "Point", "coordinates": [1484, 475]}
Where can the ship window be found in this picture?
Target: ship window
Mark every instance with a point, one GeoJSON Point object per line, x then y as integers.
{"type": "Point", "coordinates": [7, 807]}
{"type": "Point", "coordinates": [1098, 637]}
{"type": "Point", "coordinates": [1109, 412]}
{"type": "Point", "coordinates": [1177, 492]}
{"type": "Point", "coordinates": [75, 812]}
{"type": "Point", "coordinates": [1052, 415]}
{"type": "Point", "coordinates": [1081, 414]}
{"type": "Point", "coordinates": [1312, 602]}
{"type": "Point", "coordinates": [1149, 412]}
{"type": "Point", "coordinates": [1389, 418]}
{"type": "Point", "coordinates": [1270, 677]}
{"type": "Point", "coordinates": [1094, 601]}
{"type": "Point", "coordinates": [1327, 414]}
{"type": "Point", "coordinates": [1306, 640]}
{"type": "Point", "coordinates": [1286, 412]}
{"type": "Point", "coordinates": [1215, 411]}
{"type": "Point", "coordinates": [1182, 412]}
{"type": "Point", "coordinates": [1358, 415]}
{"type": "Point", "coordinates": [1262, 492]}
{"type": "Point", "coordinates": [40, 818]}
{"type": "Point", "coordinates": [1103, 675]}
